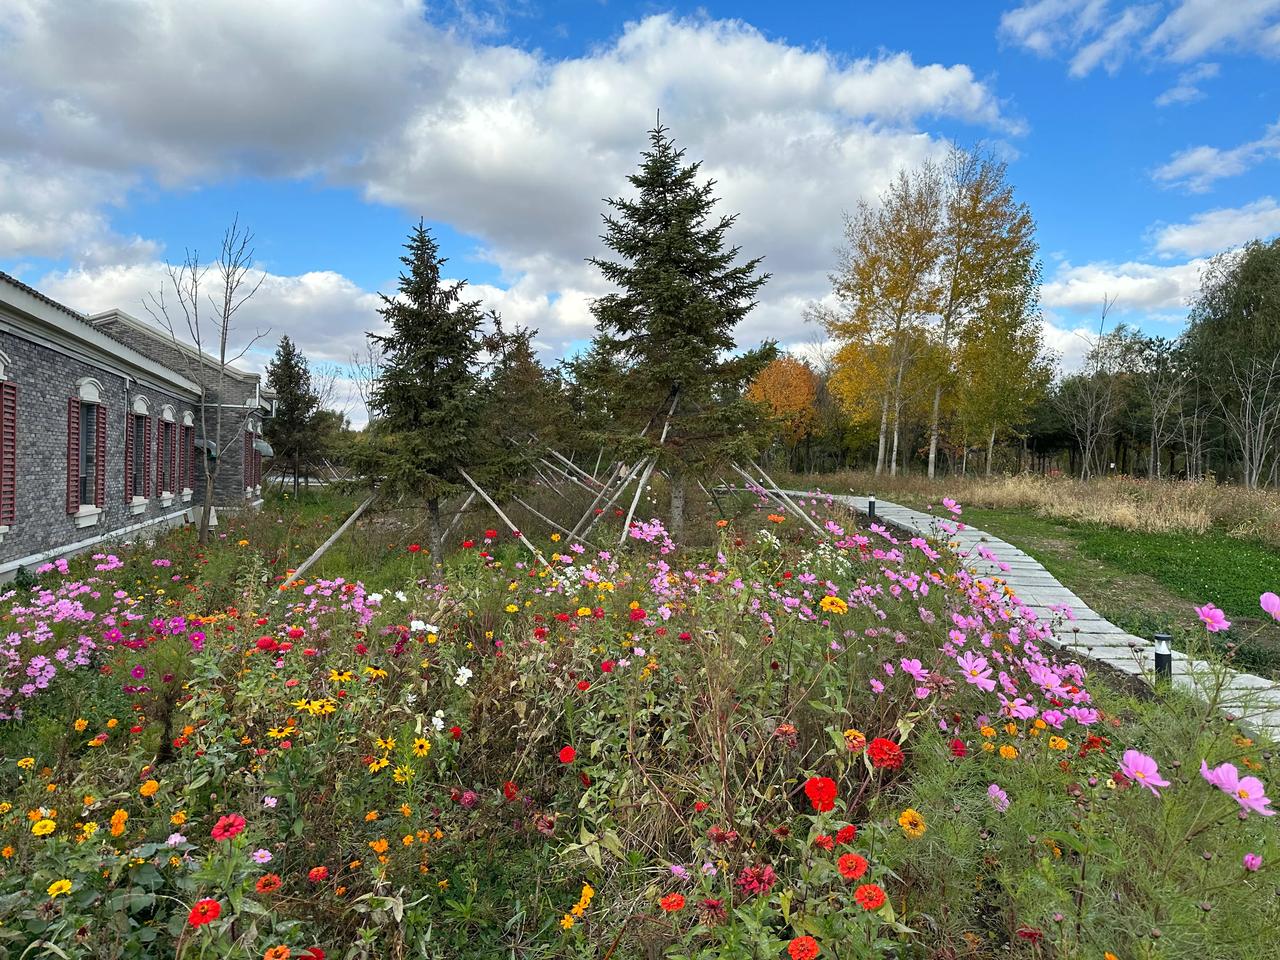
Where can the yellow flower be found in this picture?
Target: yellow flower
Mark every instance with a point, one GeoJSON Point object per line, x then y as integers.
{"type": "Point", "coordinates": [149, 788]}
{"type": "Point", "coordinates": [407, 840]}
{"type": "Point", "coordinates": [7, 852]}
{"type": "Point", "coordinates": [386, 743]}
{"type": "Point", "coordinates": [371, 816]}
{"type": "Point", "coordinates": [43, 827]}
{"type": "Point", "coordinates": [832, 604]}
{"type": "Point", "coordinates": [112, 723]}
{"type": "Point", "coordinates": [242, 543]}
{"type": "Point", "coordinates": [566, 922]}
{"type": "Point", "coordinates": [912, 823]}
{"type": "Point", "coordinates": [402, 774]}
{"type": "Point", "coordinates": [1008, 752]}
{"type": "Point", "coordinates": [1057, 743]}
{"type": "Point", "coordinates": [555, 538]}
{"type": "Point", "coordinates": [405, 810]}
{"type": "Point", "coordinates": [179, 818]}
{"type": "Point", "coordinates": [1011, 728]}
{"type": "Point", "coordinates": [90, 829]}
{"type": "Point", "coordinates": [379, 845]}
{"type": "Point", "coordinates": [26, 763]}
{"type": "Point", "coordinates": [58, 888]}
{"type": "Point", "coordinates": [987, 731]}
{"type": "Point", "coordinates": [378, 763]}
{"type": "Point", "coordinates": [512, 608]}
{"type": "Point", "coordinates": [988, 746]}
{"type": "Point", "coordinates": [80, 725]}
{"type": "Point", "coordinates": [345, 676]}
{"type": "Point", "coordinates": [421, 747]}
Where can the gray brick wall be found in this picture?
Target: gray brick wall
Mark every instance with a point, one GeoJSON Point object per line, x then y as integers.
{"type": "Point", "coordinates": [46, 378]}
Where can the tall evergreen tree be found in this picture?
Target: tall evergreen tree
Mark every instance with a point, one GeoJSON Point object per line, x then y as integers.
{"type": "Point", "coordinates": [669, 331]}
{"type": "Point", "coordinates": [427, 402]}
{"type": "Point", "coordinates": [291, 430]}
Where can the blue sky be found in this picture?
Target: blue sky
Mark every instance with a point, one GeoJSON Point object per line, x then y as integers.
{"type": "Point", "coordinates": [1145, 137]}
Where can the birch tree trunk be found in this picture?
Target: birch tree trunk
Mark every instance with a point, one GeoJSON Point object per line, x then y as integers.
{"type": "Point", "coordinates": [933, 429]}
{"type": "Point", "coordinates": [884, 427]}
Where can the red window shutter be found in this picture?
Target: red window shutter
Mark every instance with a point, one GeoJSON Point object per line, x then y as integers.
{"type": "Point", "coordinates": [146, 457]}
{"type": "Point", "coordinates": [100, 459]}
{"type": "Point", "coordinates": [188, 457]}
{"type": "Point", "coordinates": [128, 457]}
{"type": "Point", "coordinates": [8, 453]}
{"type": "Point", "coordinates": [73, 455]}
{"type": "Point", "coordinates": [246, 461]}
{"type": "Point", "coordinates": [156, 464]}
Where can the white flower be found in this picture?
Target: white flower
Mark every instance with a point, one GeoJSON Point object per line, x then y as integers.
{"type": "Point", "coordinates": [464, 674]}
{"type": "Point", "coordinates": [374, 598]}
{"type": "Point", "coordinates": [438, 720]}
{"type": "Point", "coordinates": [417, 626]}
{"type": "Point", "coordinates": [400, 596]}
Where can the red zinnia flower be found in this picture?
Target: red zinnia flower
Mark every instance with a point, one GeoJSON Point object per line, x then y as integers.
{"type": "Point", "coordinates": [227, 827]}
{"type": "Point", "coordinates": [672, 902]}
{"type": "Point", "coordinates": [268, 883]}
{"type": "Point", "coordinates": [468, 544]}
{"type": "Point", "coordinates": [606, 666]}
{"type": "Point", "coordinates": [846, 834]}
{"type": "Point", "coordinates": [821, 792]}
{"type": "Point", "coordinates": [313, 953]}
{"type": "Point", "coordinates": [825, 841]}
{"type": "Point", "coordinates": [885, 753]}
{"type": "Point", "coordinates": [491, 534]}
{"type": "Point", "coordinates": [584, 685]}
{"type": "Point", "coordinates": [852, 866]}
{"type": "Point", "coordinates": [958, 749]}
{"type": "Point", "coordinates": [414, 548]}
{"type": "Point", "coordinates": [455, 732]}
{"type": "Point", "coordinates": [204, 911]}
{"type": "Point", "coordinates": [568, 754]}
{"type": "Point", "coordinates": [869, 896]}
{"type": "Point", "coordinates": [803, 948]}
{"type": "Point", "coordinates": [638, 614]}
{"type": "Point", "coordinates": [318, 874]}
{"type": "Point", "coordinates": [510, 790]}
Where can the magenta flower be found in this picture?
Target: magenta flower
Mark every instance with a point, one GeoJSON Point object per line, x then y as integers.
{"type": "Point", "coordinates": [999, 799]}
{"type": "Point", "coordinates": [1213, 618]}
{"type": "Point", "coordinates": [1142, 770]}
{"type": "Point", "coordinates": [1270, 604]}
{"type": "Point", "coordinates": [1249, 792]}
{"type": "Point", "coordinates": [976, 671]}
{"type": "Point", "coordinates": [1252, 862]}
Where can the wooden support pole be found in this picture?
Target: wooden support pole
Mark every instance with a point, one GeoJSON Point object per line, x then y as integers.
{"type": "Point", "coordinates": [644, 478]}
{"type": "Point", "coordinates": [573, 466]}
{"type": "Point", "coordinates": [505, 519]}
{"type": "Point", "coordinates": [622, 478]}
{"type": "Point", "coordinates": [551, 523]}
{"type": "Point", "coordinates": [320, 551]}
{"type": "Point", "coordinates": [782, 497]}
{"type": "Point", "coordinates": [568, 476]}
{"type": "Point", "coordinates": [458, 516]}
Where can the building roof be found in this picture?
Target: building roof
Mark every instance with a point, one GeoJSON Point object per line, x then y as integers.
{"type": "Point", "coordinates": [56, 321]}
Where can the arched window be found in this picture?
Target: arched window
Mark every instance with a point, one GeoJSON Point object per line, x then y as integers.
{"type": "Point", "coordinates": [137, 454]}
{"type": "Point", "coordinates": [86, 452]}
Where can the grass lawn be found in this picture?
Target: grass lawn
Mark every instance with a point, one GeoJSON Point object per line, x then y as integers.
{"type": "Point", "coordinates": [1149, 582]}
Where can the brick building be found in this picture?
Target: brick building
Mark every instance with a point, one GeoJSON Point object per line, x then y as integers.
{"type": "Point", "coordinates": [101, 433]}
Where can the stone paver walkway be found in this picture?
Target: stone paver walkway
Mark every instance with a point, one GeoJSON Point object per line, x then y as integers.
{"type": "Point", "coordinates": [1078, 630]}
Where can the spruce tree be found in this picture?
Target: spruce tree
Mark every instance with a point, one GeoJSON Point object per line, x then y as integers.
{"type": "Point", "coordinates": [427, 402]}
{"type": "Point", "coordinates": [291, 430]}
{"type": "Point", "coordinates": [669, 330]}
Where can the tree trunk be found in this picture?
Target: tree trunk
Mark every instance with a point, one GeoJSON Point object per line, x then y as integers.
{"type": "Point", "coordinates": [435, 533]}
{"type": "Point", "coordinates": [893, 463]}
{"type": "Point", "coordinates": [991, 449]}
{"type": "Point", "coordinates": [295, 476]}
{"type": "Point", "coordinates": [203, 536]}
{"type": "Point", "coordinates": [933, 429]}
{"type": "Point", "coordinates": [677, 507]}
{"type": "Point", "coordinates": [884, 429]}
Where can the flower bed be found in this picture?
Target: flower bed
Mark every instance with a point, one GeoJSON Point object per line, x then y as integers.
{"type": "Point", "coordinates": [780, 747]}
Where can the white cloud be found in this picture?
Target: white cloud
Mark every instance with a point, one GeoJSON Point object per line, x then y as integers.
{"type": "Point", "coordinates": [1133, 286]}
{"type": "Point", "coordinates": [1197, 168]}
{"type": "Point", "coordinates": [1070, 344]}
{"type": "Point", "coordinates": [1216, 230]}
{"type": "Point", "coordinates": [502, 144]}
{"type": "Point", "coordinates": [1187, 89]}
{"type": "Point", "coordinates": [1197, 27]}
{"type": "Point", "coordinates": [1092, 33]}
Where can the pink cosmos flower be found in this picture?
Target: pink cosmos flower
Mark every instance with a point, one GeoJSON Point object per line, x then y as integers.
{"type": "Point", "coordinates": [1252, 862]}
{"type": "Point", "coordinates": [1213, 618]}
{"type": "Point", "coordinates": [1142, 770]}
{"type": "Point", "coordinates": [976, 671]}
{"type": "Point", "coordinates": [1271, 604]}
{"type": "Point", "coordinates": [1249, 792]}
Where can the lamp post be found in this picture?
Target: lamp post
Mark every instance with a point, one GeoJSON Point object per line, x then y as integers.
{"type": "Point", "coordinates": [871, 507]}
{"type": "Point", "coordinates": [1164, 658]}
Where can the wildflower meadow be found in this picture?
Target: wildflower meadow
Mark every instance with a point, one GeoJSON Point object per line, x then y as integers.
{"type": "Point", "coordinates": [776, 745]}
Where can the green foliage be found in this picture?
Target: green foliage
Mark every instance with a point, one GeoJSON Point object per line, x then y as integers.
{"type": "Point", "coordinates": [291, 430]}
{"type": "Point", "coordinates": [667, 335]}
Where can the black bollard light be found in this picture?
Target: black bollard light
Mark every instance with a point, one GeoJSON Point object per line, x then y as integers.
{"type": "Point", "coordinates": [1164, 658]}
{"type": "Point", "coordinates": [871, 508]}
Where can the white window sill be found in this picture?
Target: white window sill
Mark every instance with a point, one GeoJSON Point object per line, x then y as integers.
{"type": "Point", "coordinates": [3, 531]}
{"type": "Point", "coordinates": [138, 505]}
{"type": "Point", "coordinates": [166, 499]}
{"type": "Point", "coordinates": [87, 515]}
{"type": "Point", "coordinates": [186, 495]}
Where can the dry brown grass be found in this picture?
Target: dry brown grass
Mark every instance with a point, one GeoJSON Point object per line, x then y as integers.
{"type": "Point", "coordinates": [1160, 506]}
